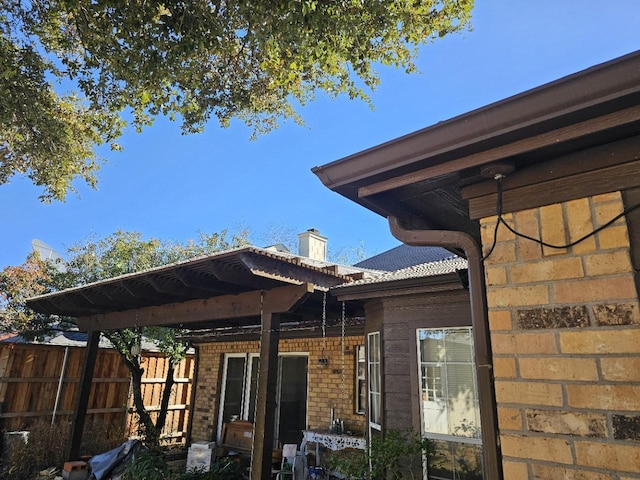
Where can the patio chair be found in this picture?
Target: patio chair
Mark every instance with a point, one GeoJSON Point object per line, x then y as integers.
{"type": "Point", "coordinates": [292, 466]}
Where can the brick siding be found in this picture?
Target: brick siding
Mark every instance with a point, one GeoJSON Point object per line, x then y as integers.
{"type": "Point", "coordinates": [565, 331]}
{"type": "Point", "coordinates": [325, 388]}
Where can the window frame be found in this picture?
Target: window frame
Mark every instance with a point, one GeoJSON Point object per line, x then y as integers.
{"type": "Point", "coordinates": [246, 387]}
{"type": "Point", "coordinates": [371, 394]}
{"type": "Point", "coordinates": [443, 361]}
{"type": "Point", "coordinates": [360, 381]}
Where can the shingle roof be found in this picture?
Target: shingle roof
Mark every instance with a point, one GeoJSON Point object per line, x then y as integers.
{"type": "Point", "coordinates": [430, 269]}
{"type": "Point", "coordinates": [71, 338]}
{"type": "Point", "coordinates": [404, 256]}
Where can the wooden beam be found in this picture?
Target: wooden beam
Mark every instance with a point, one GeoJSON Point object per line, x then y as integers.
{"type": "Point", "coordinates": [554, 137]}
{"type": "Point", "coordinates": [263, 431]}
{"type": "Point", "coordinates": [574, 163]}
{"type": "Point", "coordinates": [82, 400]}
{"type": "Point", "coordinates": [619, 177]}
{"type": "Point", "coordinates": [248, 304]}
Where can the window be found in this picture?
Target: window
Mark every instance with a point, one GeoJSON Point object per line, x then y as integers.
{"type": "Point", "coordinates": [449, 398]}
{"type": "Point", "coordinates": [240, 384]}
{"type": "Point", "coordinates": [375, 383]}
{"type": "Point", "coordinates": [360, 380]}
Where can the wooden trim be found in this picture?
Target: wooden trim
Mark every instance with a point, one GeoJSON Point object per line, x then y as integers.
{"type": "Point", "coordinates": [595, 158]}
{"type": "Point", "coordinates": [611, 179]}
{"type": "Point", "coordinates": [249, 304]}
{"type": "Point", "coordinates": [554, 137]}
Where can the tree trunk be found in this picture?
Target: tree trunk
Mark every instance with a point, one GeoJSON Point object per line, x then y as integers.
{"type": "Point", "coordinates": [166, 396]}
{"type": "Point", "coordinates": [152, 437]}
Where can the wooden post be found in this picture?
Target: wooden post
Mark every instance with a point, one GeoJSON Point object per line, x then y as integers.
{"type": "Point", "coordinates": [266, 402]}
{"type": "Point", "coordinates": [82, 399]}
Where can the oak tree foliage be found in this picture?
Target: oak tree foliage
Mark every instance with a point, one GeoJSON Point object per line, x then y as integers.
{"type": "Point", "coordinates": [97, 259]}
{"type": "Point", "coordinates": [191, 60]}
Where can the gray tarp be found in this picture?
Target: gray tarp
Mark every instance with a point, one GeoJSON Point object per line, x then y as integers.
{"type": "Point", "coordinates": [112, 464]}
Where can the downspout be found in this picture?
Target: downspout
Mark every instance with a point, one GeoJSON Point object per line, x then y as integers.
{"type": "Point", "coordinates": [480, 323]}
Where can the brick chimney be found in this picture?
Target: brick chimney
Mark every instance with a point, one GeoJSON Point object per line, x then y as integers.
{"type": "Point", "coordinates": [313, 245]}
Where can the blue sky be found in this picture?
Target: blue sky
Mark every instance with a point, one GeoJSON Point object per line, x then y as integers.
{"type": "Point", "coordinates": [170, 186]}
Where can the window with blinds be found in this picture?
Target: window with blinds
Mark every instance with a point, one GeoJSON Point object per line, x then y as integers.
{"type": "Point", "coordinates": [449, 400]}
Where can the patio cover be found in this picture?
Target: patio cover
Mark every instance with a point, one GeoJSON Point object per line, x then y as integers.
{"type": "Point", "coordinates": [238, 286]}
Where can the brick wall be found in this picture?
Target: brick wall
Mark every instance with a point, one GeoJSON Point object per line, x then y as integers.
{"type": "Point", "coordinates": [565, 332]}
{"type": "Point", "coordinates": [325, 388]}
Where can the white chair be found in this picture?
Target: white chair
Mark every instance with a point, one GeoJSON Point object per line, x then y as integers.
{"type": "Point", "coordinates": [292, 465]}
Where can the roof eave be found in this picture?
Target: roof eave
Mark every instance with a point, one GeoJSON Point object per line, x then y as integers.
{"type": "Point", "coordinates": [435, 283]}
{"type": "Point", "coordinates": [595, 86]}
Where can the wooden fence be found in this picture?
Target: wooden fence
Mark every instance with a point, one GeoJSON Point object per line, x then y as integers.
{"type": "Point", "coordinates": [40, 381]}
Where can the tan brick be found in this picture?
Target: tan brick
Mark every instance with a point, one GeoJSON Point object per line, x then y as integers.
{"type": "Point", "coordinates": [594, 290]}
{"type": "Point", "coordinates": [502, 253]}
{"type": "Point", "coordinates": [604, 397]}
{"type": "Point", "coordinates": [537, 448]}
{"type": "Point", "coordinates": [605, 212]}
{"type": "Point", "coordinates": [553, 228]}
{"type": "Point", "coordinates": [601, 341]}
{"type": "Point", "coordinates": [504, 367]}
{"type": "Point", "coordinates": [496, 275]}
{"type": "Point", "coordinates": [607, 197]}
{"type": "Point", "coordinates": [502, 343]}
{"type": "Point", "coordinates": [504, 297]}
{"type": "Point", "coordinates": [524, 343]}
{"type": "Point", "coordinates": [558, 368]}
{"type": "Point", "coordinates": [527, 224]}
{"type": "Point", "coordinates": [546, 270]}
{"type": "Point", "coordinates": [608, 263]}
{"type": "Point", "coordinates": [567, 423]}
{"type": "Point", "coordinates": [619, 457]}
{"type": "Point", "coordinates": [500, 320]}
{"type": "Point", "coordinates": [620, 369]}
{"type": "Point", "coordinates": [548, 472]}
{"type": "Point", "coordinates": [509, 418]}
{"type": "Point", "coordinates": [514, 470]}
{"type": "Point", "coordinates": [580, 224]}
{"type": "Point", "coordinates": [503, 234]}
{"type": "Point", "coordinates": [529, 393]}
{"type": "Point", "coordinates": [616, 236]}
{"type": "Point", "coordinates": [487, 227]}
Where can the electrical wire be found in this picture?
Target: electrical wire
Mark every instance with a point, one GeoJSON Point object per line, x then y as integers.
{"type": "Point", "coordinates": [501, 220]}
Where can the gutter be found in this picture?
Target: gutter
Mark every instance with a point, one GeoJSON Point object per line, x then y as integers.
{"type": "Point", "coordinates": [492, 461]}
{"type": "Point", "coordinates": [591, 92]}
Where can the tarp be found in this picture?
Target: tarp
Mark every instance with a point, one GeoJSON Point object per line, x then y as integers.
{"type": "Point", "coordinates": [112, 464]}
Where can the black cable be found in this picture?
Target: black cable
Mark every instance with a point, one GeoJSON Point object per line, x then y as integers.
{"type": "Point", "coordinates": [541, 242]}
{"type": "Point", "coordinates": [498, 179]}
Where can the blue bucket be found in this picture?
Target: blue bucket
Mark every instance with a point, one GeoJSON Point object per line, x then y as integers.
{"type": "Point", "coordinates": [316, 473]}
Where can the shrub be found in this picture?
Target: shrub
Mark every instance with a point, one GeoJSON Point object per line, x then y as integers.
{"type": "Point", "coordinates": [397, 455]}
{"type": "Point", "coordinates": [147, 465]}
{"type": "Point", "coordinates": [47, 446]}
